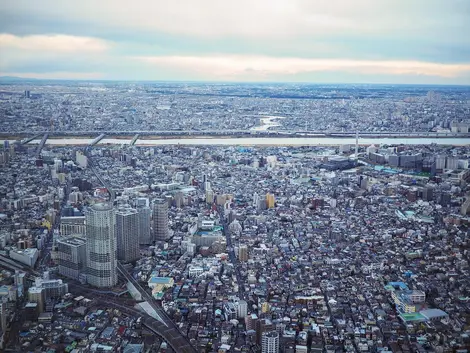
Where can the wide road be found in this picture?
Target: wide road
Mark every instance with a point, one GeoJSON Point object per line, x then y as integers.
{"type": "Point", "coordinates": [45, 258]}
{"type": "Point", "coordinates": [91, 165]}
{"type": "Point", "coordinates": [231, 253]}
{"type": "Point", "coordinates": [167, 329]}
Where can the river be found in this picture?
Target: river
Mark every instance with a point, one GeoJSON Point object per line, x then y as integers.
{"type": "Point", "coordinates": [267, 122]}
{"type": "Point", "coordinates": [260, 141]}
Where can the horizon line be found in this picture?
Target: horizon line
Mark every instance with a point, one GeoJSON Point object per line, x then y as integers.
{"type": "Point", "coordinates": [20, 78]}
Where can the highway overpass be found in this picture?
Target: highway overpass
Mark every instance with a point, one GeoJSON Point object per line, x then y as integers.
{"type": "Point", "coordinates": [165, 325]}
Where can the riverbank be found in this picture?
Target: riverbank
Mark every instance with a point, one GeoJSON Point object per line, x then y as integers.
{"type": "Point", "coordinates": [256, 141]}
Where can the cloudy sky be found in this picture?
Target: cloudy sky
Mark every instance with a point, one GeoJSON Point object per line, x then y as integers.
{"type": "Point", "coordinates": [386, 41]}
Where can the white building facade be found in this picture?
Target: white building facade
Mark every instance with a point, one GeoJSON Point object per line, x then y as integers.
{"type": "Point", "coordinates": [101, 245]}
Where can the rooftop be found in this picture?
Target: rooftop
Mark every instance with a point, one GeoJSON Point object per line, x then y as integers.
{"type": "Point", "coordinates": [102, 206]}
{"type": "Point", "coordinates": [160, 280]}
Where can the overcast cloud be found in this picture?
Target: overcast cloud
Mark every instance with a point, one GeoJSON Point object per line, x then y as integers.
{"type": "Point", "coordinates": [399, 41]}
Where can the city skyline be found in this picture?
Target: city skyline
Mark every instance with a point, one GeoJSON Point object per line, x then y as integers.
{"type": "Point", "coordinates": [287, 218]}
{"type": "Point", "coordinates": [297, 41]}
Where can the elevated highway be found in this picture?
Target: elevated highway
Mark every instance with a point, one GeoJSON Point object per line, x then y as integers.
{"type": "Point", "coordinates": [163, 326]}
{"type": "Point", "coordinates": [29, 139]}
{"type": "Point", "coordinates": [41, 144]}
{"type": "Point", "coordinates": [134, 139]}
{"type": "Point", "coordinates": [170, 328]}
{"type": "Point", "coordinates": [176, 341]}
{"type": "Point", "coordinates": [97, 139]}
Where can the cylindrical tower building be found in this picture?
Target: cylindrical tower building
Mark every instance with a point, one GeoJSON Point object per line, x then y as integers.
{"type": "Point", "coordinates": [101, 245]}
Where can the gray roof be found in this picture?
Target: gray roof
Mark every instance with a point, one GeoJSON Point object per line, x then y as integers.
{"type": "Point", "coordinates": [433, 313]}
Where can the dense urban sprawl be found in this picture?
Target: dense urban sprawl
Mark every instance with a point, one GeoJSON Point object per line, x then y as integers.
{"type": "Point", "coordinates": [341, 248]}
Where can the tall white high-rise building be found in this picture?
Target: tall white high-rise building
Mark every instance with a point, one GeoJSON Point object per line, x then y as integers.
{"type": "Point", "coordinates": [71, 256]}
{"type": "Point", "coordinates": [160, 219]}
{"type": "Point", "coordinates": [255, 199]}
{"type": "Point", "coordinates": [143, 226]}
{"type": "Point", "coordinates": [101, 245]}
{"type": "Point", "coordinates": [58, 164]}
{"type": "Point", "coordinates": [81, 159]}
{"type": "Point", "coordinates": [242, 309]}
{"type": "Point", "coordinates": [127, 220]}
{"type": "Point", "coordinates": [270, 342]}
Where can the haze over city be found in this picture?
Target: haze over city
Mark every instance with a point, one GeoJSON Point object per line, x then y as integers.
{"type": "Point", "coordinates": [340, 41]}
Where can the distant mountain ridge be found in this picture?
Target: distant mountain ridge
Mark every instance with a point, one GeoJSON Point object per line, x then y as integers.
{"type": "Point", "coordinates": [16, 78]}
